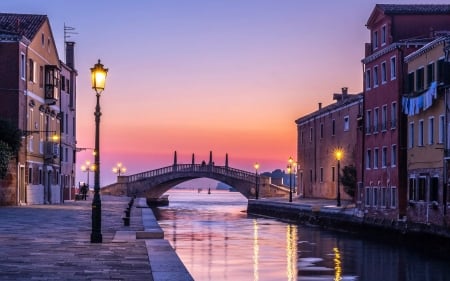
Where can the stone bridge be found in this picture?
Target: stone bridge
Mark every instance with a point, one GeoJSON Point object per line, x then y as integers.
{"type": "Point", "coordinates": [153, 184]}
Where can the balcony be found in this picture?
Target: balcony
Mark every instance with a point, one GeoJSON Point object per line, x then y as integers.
{"type": "Point", "coordinates": [51, 84]}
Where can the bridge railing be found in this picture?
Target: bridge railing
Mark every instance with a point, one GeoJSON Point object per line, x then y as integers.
{"type": "Point", "coordinates": [189, 168]}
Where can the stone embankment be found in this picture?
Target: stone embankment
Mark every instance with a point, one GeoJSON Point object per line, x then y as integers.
{"type": "Point", "coordinates": [433, 239]}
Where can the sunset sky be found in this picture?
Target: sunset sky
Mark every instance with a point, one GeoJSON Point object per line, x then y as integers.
{"type": "Point", "coordinates": [198, 76]}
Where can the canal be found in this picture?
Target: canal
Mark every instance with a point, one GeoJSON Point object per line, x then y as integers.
{"type": "Point", "coordinates": [217, 240]}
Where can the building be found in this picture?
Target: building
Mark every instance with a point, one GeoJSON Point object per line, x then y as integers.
{"type": "Point", "coordinates": [29, 90]}
{"type": "Point", "coordinates": [319, 134]}
{"type": "Point", "coordinates": [424, 102]}
{"type": "Point", "coordinates": [68, 124]}
{"type": "Point", "coordinates": [396, 31]}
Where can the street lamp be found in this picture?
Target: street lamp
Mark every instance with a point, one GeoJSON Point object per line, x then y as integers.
{"type": "Point", "coordinates": [256, 180]}
{"type": "Point", "coordinates": [289, 168]}
{"type": "Point", "coordinates": [98, 75]}
{"type": "Point", "coordinates": [338, 153]}
{"type": "Point", "coordinates": [88, 167]}
{"type": "Point", "coordinates": [119, 169]}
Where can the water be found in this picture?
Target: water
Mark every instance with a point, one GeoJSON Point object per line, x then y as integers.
{"type": "Point", "coordinates": [216, 240]}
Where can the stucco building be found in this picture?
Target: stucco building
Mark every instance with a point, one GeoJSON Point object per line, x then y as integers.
{"type": "Point", "coordinates": [425, 103]}
{"type": "Point", "coordinates": [30, 91]}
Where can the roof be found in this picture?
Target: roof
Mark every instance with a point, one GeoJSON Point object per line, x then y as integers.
{"type": "Point", "coordinates": [414, 9]}
{"type": "Point", "coordinates": [350, 99]}
{"type": "Point", "coordinates": [21, 24]}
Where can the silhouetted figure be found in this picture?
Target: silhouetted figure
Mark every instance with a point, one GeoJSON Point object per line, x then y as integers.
{"type": "Point", "coordinates": [84, 191]}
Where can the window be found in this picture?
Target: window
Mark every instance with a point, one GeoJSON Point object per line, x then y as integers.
{"type": "Point", "coordinates": [383, 73]}
{"type": "Point", "coordinates": [310, 176]}
{"type": "Point", "coordinates": [393, 197]}
{"type": "Point", "coordinates": [394, 155]}
{"type": "Point", "coordinates": [22, 66]}
{"type": "Point", "coordinates": [32, 70]}
{"type": "Point", "coordinates": [421, 188]}
{"type": "Point", "coordinates": [430, 73]}
{"type": "Point", "coordinates": [375, 40]}
{"type": "Point", "coordinates": [310, 134]}
{"type": "Point", "coordinates": [41, 77]}
{"type": "Point", "coordinates": [368, 158]}
{"type": "Point", "coordinates": [321, 174]}
{"type": "Point", "coordinates": [367, 195]}
{"type": "Point", "coordinates": [333, 128]}
{"type": "Point", "coordinates": [375, 120]}
{"type": "Point", "coordinates": [384, 117]}
{"type": "Point", "coordinates": [42, 40]}
{"type": "Point", "coordinates": [383, 35]}
{"type": "Point", "coordinates": [40, 177]}
{"type": "Point", "coordinates": [368, 80]}
{"type": "Point", "coordinates": [346, 123]}
{"type": "Point", "coordinates": [441, 129]}
{"type": "Point", "coordinates": [410, 85]}
{"type": "Point", "coordinates": [393, 69]}
{"type": "Point", "coordinates": [321, 130]}
{"type": "Point", "coordinates": [420, 79]}
{"type": "Point", "coordinates": [30, 175]}
{"type": "Point", "coordinates": [375, 158]}
{"type": "Point", "coordinates": [383, 156]}
{"type": "Point", "coordinates": [375, 196]}
{"type": "Point", "coordinates": [412, 189]}
{"type": "Point", "coordinates": [375, 76]}
{"type": "Point", "coordinates": [393, 115]}
{"type": "Point", "coordinates": [411, 135]}
{"type": "Point", "coordinates": [420, 134]}
{"type": "Point", "coordinates": [434, 189]}
{"type": "Point", "coordinates": [333, 176]}
{"type": "Point", "coordinates": [368, 119]}
{"type": "Point", "coordinates": [431, 130]}
{"type": "Point", "coordinates": [383, 197]}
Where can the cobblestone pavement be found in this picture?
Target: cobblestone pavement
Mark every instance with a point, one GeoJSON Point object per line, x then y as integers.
{"type": "Point", "coordinates": [52, 242]}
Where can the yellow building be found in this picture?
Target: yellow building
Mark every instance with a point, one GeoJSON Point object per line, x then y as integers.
{"type": "Point", "coordinates": [424, 105]}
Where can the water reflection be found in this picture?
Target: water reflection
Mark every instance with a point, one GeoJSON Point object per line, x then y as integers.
{"type": "Point", "coordinates": [255, 250]}
{"type": "Point", "coordinates": [216, 240]}
{"type": "Point", "coordinates": [291, 252]}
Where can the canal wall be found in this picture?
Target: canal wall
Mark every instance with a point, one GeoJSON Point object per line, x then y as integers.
{"type": "Point", "coordinates": [429, 238]}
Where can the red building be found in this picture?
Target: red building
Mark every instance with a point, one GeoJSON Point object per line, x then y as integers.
{"type": "Point", "coordinates": [320, 134]}
{"type": "Point", "coordinates": [396, 31]}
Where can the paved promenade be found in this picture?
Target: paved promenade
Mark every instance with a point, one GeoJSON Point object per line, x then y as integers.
{"type": "Point", "coordinates": [52, 242]}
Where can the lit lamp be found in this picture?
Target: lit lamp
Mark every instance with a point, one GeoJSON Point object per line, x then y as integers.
{"type": "Point", "coordinates": [98, 74]}
{"type": "Point", "coordinates": [256, 180]}
{"type": "Point", "coordinates": [338, 153]}
{"type": "Point", "coordinates": [88, 167]}
{"type": "Point", "coordinates": [289, 169]}
{"type": "Point", "coordinates": [119, 169]}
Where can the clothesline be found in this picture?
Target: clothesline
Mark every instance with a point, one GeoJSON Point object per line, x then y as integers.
{"type": "Point", "coordinates": [413, 105]}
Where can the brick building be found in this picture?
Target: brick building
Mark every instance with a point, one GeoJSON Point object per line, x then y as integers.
{"type": "Point", "coordinates": [319, 135]}
{"type": "Point", "coordinates": [396, 31]}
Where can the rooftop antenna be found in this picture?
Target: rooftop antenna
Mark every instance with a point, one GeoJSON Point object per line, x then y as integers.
{"type": "Point", "coordinates": [68, 31]}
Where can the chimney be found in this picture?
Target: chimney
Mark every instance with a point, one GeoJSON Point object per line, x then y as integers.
{"type": "Point", "coordinates": [70, 54]}
{"type": "Point", "coordinates": [320, 105]}
{"type": "Point", "coordinates": [344, 92]}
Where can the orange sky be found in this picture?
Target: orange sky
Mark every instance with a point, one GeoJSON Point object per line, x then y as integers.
{"type": "Point", "coordinates": [195, 76]}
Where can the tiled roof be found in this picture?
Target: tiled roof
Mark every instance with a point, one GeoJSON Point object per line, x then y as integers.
{"type": "Point", "coordinates": [414, 9]}
{"type": "Point", "coordinates": [22, 24]}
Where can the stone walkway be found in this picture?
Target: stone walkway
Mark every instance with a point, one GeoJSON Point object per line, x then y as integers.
{"type": "Point", "coordinates": [52, 242]}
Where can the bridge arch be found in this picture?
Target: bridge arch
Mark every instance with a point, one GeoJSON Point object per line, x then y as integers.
{"type": "Point", "coordinates": [154, 183]}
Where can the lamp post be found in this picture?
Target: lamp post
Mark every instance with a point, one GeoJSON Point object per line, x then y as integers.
{"type": "Point", "coordinates": [98, 75]}
{"type": "Point", "coordinates": [256, 180]}
{"type": "Point", "coordinates": [88, 167]}
{"type": "Point", "coordinates": [289, 168]}
{"type": "Point", "coordinates": [119, 169]}
{"type": "Point", "coordinates": [338, 153]}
